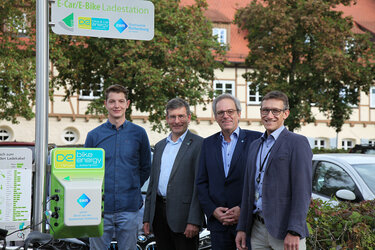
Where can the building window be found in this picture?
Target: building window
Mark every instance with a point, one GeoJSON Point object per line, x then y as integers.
{"type": "Point", "coordinates": [11, 90]}
{"type": "Point", "coordinates": [18, 24]}
{"type": "Point", "coordinates": [70, 136]}
{"type": "Point", "coordinates": [91, 94]}
{"type": "Point", "coordinates": [320, 143]}
{"type": "Point", "coordinates": [5, 134]}
{"type": "Point", "coordinates": [343, 94]}
{"type": "Point", "coordinates": [347, 144]}
{"type": "Point", "coordinates": [372, 97]}
{"type": "Point", "coordinates": [21, 28]}
{"type": "Point", "coordinates": [221, 34]}
{"type": "Point", "coordinates": [221, 87]}
{"type": "Point", "coordinates": [371, 142]}
{"type": "Point", "coordinates": [253, 96]}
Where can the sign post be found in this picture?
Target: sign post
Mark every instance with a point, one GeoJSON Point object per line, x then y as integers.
{"type": "Point", "coordinates": [41, 112]}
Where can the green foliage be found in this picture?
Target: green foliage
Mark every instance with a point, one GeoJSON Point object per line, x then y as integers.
{"type": "Point", "coordinates": [345, 226]}
{"type": "Point", "coordinates": [17, 59]}
{"type": "Point", "coordinates": [329, 150]}
{"type": "Point", "coordinates": [307, 50]}
{"type": "Point", "coordinates": [178, 61]}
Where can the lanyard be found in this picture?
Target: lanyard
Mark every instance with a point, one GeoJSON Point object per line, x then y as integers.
{"type": "Point", "coordinates": [261, 165]}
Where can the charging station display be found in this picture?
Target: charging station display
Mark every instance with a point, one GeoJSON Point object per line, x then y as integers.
{"type": "Point", "coordinates": [15, 191]}
{"type": "Point", "coordinates": [77, 188]}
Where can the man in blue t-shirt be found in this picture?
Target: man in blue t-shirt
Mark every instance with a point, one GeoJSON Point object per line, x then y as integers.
{"type": "Point", "coordinates": [127, 167]}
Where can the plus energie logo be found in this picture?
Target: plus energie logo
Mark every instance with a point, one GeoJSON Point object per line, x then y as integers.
{"type": "Point", "coordinates": [65, 159]}
{"type": "Point", "coordinates": [84, 23]}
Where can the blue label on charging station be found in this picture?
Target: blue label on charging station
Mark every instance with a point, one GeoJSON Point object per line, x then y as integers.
{"type": "Point", "coordinates": [71, 158]}
{"type": "Point", "coordinates": [89, 158]}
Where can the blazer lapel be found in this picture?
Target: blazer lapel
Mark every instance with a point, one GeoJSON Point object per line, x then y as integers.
{"type": "Point", "coordinates": [218, 155]}
{"type": "Point", "coordinates": [276, 146]}
{"type": "Point", "coordinates": [181, 152]}
{"type": "Point", "coordinates": [253, 154]}
{"type": "Point", "coordinates": [238, 151]}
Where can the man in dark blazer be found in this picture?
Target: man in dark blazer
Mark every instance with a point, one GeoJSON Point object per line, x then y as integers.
{"type": "Point", "coordinates": [221, 172]}
{"type": "Point", "coordinates": [172, 208]}
{"type": "Point", "coordinates": [277, 189]}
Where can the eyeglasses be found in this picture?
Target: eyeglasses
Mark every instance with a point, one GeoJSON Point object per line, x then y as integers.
{"type": "Point", "coordinates": [275, 112]}
{"type": "Point", "coordinates": [174, 117]}
{"type": "Point", "coordinates": [230, 112]}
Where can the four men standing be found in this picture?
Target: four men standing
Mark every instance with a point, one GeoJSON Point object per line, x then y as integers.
{"type": "Point", "coordinates": [190, 174]}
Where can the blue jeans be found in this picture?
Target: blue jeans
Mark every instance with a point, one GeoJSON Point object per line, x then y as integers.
{"type": "Point", "coordinates": [123, 226]}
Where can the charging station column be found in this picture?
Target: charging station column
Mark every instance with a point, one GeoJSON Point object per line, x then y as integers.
{"type": "Point", "coordinates": [77, 189]}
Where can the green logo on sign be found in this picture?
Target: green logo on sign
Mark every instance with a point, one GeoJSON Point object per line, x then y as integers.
{"type": "Point", "coordinates": [69, 20]}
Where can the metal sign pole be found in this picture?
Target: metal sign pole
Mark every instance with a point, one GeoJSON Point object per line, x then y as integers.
{"type": "Point", "coordinates": [41, 121]}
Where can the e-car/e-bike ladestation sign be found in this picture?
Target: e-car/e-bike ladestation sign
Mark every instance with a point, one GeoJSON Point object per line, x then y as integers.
{"type": "Point", "coordinates": [77, 188]}
{"type": "Point", "coordinates": [122, 19]}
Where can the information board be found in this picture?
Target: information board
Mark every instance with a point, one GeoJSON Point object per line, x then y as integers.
{"type": "Point", "coordinates": [124, 19]}
{"type": "Point", "coordinates": [15, 191]}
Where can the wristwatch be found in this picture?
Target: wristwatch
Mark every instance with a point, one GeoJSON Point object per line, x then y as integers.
{"type": "Point", "coordinates": [294, 233]}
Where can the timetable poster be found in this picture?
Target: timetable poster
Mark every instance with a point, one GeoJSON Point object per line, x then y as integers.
{"type": "Point", "coordinates": [15, 191]}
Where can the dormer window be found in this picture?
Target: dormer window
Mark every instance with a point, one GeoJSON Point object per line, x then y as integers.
{"type": "Point", "coordinates": [221, 34]}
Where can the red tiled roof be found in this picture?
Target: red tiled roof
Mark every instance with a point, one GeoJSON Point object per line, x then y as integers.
{"type": "Point", "coordinates": [217, 17]}
{"type": "Point", "coordinates": [369, 26]}
{"type": "Point", "coordinates": [357, 29]}
{"type": "Point", "coordinates": [223, 11]}
{"type": "Point", "coordinates": [363, 13]}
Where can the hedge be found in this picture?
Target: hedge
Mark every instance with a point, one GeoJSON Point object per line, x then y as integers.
{"type": "Point", "coordinates": [344, 226]}
{"type": "Point", "coordinates": [329, 150]}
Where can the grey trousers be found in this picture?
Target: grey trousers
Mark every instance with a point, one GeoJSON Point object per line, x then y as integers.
{"type": "Point", "coordinates": [261, 239]}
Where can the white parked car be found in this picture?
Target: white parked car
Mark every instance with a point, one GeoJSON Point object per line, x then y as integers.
{"type": "Point", "coordinates": [348, 177]}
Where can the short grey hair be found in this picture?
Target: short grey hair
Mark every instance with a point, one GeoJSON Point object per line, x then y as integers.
{"type": "Point", "coordinates": [176, 103]}
{"type": "Point", "coordinates": [226, 96]}
{"type": "Point", "coordinates": [278, 95]}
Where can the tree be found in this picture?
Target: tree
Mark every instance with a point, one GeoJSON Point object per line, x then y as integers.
{"type": "Point", "coordinates": [178, 61]}
{"type": "Point", "coordinates": [17, 59]}
{"type": "Point", "coordinates": [307, 49]}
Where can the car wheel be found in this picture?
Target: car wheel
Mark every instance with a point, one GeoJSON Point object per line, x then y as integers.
{"type": "Point", "coordinates": [148, 243]}
{"type": "Point", "coordinates": [151, 246]}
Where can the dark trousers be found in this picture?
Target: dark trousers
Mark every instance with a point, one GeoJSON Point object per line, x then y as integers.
{"type": "Point", "coordinates": [226, 240]}
{"type": "Point", "coordinates": [165, 238]}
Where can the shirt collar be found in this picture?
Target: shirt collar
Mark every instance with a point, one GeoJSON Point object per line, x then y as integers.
{"type": "Point", "coordinates": [236, 133]}
{"type": "Point", "coordinates": [110, 125]}
{"type": "Point", "coordinates": [275, 134]}
{"type": "Point", "coordinates": [180, 139]}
